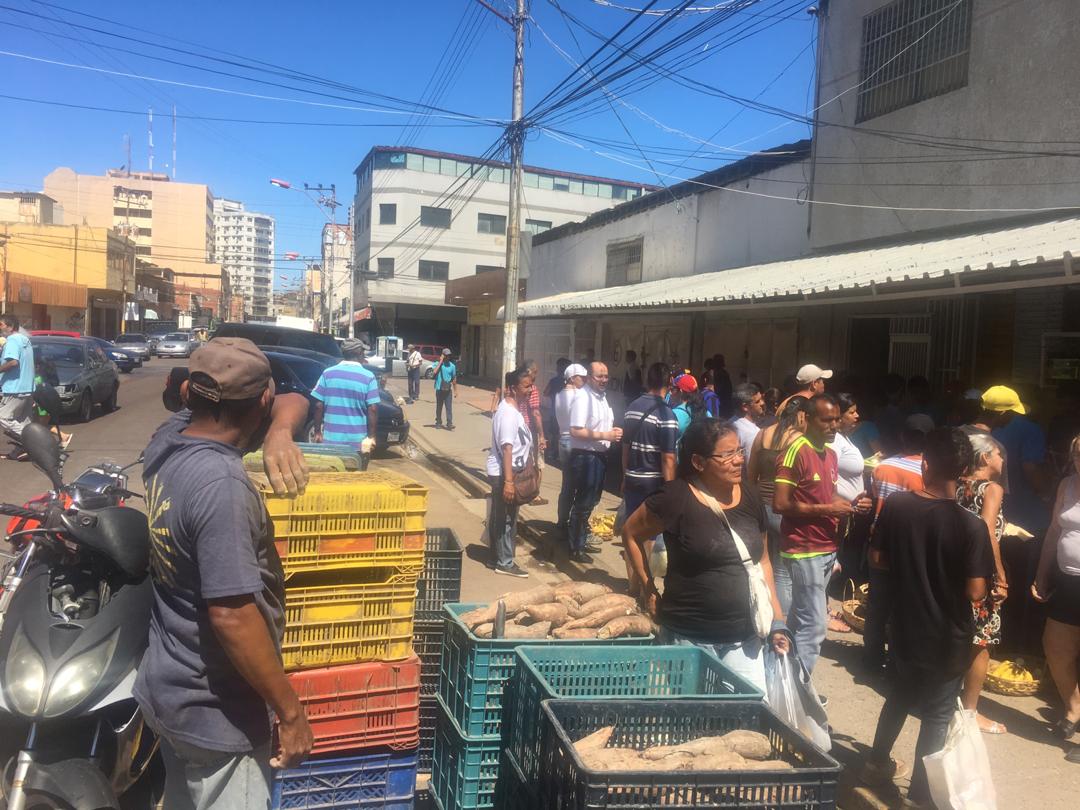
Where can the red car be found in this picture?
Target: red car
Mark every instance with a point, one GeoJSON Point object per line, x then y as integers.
{"type": "Point", "coordinates": [53, 333]}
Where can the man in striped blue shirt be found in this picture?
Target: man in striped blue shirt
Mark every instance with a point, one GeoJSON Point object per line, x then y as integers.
{"type": "Point", "coordinates": [347, 397]}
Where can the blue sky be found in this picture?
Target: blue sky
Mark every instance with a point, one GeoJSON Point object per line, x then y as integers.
{"type": "Point", "coordinates": [386, 47]}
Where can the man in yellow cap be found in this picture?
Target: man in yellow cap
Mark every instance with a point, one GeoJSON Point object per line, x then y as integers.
{"type": "Point", "coordinates": [1025, 453]}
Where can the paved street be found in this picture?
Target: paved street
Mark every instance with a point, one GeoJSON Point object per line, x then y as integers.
{"type": "Point", "coordinates": [1026, 762]}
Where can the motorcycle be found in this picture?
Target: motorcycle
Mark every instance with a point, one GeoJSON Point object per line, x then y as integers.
{"type": "Point", "coordinates": [76, 611]}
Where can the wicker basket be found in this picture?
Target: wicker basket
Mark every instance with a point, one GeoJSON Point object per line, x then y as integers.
{"type": "Point", "coordinates": [853, 608]}
{"type": "Point", "coordinates": [1014, 688]}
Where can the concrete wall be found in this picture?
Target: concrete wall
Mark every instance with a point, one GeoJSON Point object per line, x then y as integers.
{"type": "Point", "coordinates": [1023, 73]}
{"type": "Point", "coordinates": [714, 230]}
{"type": "Point", "coordinates": [462, 246]}
{"type": "Point", "coordinates": [70, 254]}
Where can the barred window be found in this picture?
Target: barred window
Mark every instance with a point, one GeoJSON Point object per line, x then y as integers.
{"type": "Point", "coordinates": [912, 50]}
{"type": "Point", "coordinates": [433, 271]}
{"type": "Point", "coordinates": [386, 267]}
{"type": "Point", "coordinates": [624, 262]}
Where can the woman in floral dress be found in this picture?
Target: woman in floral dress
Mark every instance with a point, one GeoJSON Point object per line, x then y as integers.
{"type": "Point", "coordinates": [982, 494]}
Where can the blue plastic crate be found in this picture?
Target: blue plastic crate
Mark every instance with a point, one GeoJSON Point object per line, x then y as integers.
{"type": "Point", "coordinates": [465, 769]}
{"type": "Point", "coordinates": [597, 673]}
{"type": "Point", "coordinates": [474, 671]}
{"type": "Point", "coordinates": [386, 781]}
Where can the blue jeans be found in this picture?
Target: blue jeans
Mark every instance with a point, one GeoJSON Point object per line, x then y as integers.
{"type": "Point", "coordinates": [566, 491]}
{"type": "Point", "coordinates": [746, 658]}
{"type": "Point", "coordinates": [588, 470]}
{"type": "Point", "coordinates": [781, 577]}
{"type": "Point", "coordinates": [444, 398]}
{"type": "Point", "coordinates": [927, 695]}
{"type": "Point", "coordinates": [809, 615]}
{"type": "Point", "coordinates": [502, 524]}
{"type": "Point", "coordinates": [414, 383]}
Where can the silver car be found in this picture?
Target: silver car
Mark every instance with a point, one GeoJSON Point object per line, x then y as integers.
{"type": "Point", "coordinates": [136, 343]}
{"type": "Point", "coordinates": [177, 344]}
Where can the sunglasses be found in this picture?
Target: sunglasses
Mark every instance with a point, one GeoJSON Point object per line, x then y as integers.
{"type": "Point", "coordinates": [729, 456]}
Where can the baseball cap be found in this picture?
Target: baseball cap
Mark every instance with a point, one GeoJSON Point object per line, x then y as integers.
{"type": "Point", "coordinates": [919, 423]}
{"type": "Point", "coordinates": [686, 383]}
{"type": "Point", "coordinates": [446, 352]}
{"type": "Point", "coordinates": [1001, 398]}
{"type": "Point", "coordinates": [575, 370]}
{"type": "Point", "coordinates": [230, 368]}
{"type": "Point", "coordinates": [810, 373]}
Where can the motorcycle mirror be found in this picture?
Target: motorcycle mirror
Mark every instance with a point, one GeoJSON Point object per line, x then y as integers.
{"type": "Point", "coordinates": [44, 451]}
{"type": "Point", "coordinates": [46, 398]}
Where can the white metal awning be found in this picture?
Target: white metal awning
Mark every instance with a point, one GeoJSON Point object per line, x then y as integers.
{"type": "Point", "coordinates": [953, 263]}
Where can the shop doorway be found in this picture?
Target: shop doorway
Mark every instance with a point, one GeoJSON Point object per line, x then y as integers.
{"type": "Point", "coordinates": [868, 347]}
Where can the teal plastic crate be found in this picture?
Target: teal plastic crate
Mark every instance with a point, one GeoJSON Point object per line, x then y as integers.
{"type": "Point", "coordinates": [598, 673]}
{"type": "Point", "coordinates": [473, 671]}
{"type": "Point", "coordinates": [512, 792]}
{"type": "Point", "coordinates": [464, 769]}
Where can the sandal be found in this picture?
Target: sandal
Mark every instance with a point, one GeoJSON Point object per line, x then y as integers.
{"type": "Point", "coordinates": [837, 623]}
{"type": "Point", "coordinates": [993, 727]}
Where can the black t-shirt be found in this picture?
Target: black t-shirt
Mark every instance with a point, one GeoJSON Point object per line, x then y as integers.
{"type": "Point", "coordinates": [706, 595]}
{"type": "Point", "coordinates": [932, 547]}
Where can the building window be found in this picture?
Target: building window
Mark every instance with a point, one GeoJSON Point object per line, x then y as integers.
{"type": "Point", "coordinates": [490, 223]}
{"type": "Point", "coordinates": [388, 213]}
{"type": "Point", "coordinates": [386, 267]}
{"type": "Point", "coordinates": [431, 217]}
{"type": "Point", "coordinates": [624, 262]}
{"type": "Point", "coordinates": [434, 271]}
{"type": "Point", "coordinates": [535, 226]}
{"type": "Point", "coordinates": [487, 268]}
{"type": "Point", "coordinates": [912, 50]}
{"type": "Point", "coordinates": [141, 250]}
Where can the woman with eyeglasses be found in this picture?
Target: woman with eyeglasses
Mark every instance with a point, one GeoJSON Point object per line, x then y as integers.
{"type": "Point", "coordinates": [706, 598]}
{"type": "Point", "coordinates": [1058, 582]}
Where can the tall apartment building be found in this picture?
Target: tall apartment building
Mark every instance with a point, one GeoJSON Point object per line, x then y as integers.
{"type": "Point", "coordinates": [422, 217]}
{"type": "Point", "coordinates": [171, 224]}
{"type": "Point", "coordinates": [244, 244]}
{"type": "Point", "coordinates": [337, 258]}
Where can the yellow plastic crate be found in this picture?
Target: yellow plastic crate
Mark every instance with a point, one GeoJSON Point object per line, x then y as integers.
{"type": "Point", "coordinates": [349, 520]}
{"type": "Point", "coordinates": [363, 615]}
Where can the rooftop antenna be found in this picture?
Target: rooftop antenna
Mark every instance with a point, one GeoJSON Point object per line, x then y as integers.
{"type": "Point", "coordinates": [173, 141]}
{"type": "Point", "coordinates": [127, 153]}
{"type": "Point", "coordinates": [150, 137]}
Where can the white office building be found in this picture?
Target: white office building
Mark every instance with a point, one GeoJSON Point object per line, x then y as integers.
{"type": "Point", "coordinates": [422, 218]}
{"type": "Point", "coordinates": [244, 244]}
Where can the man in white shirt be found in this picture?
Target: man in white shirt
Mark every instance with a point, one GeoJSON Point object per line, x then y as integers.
{"type": "Point", "coordinates": [749, 407]}
{"type": "Point", "coordinates": [574, 376]}
{"type": "Point", "coordinates": [412, 364]}
{"type": "Point", "coordinates": [592, 431]}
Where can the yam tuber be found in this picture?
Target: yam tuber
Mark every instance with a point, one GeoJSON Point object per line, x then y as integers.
{"type": "Point", "coordinates": [518, 601]}
{"type": "Point", "coordinates": [637, 625]}
{"type": "Point", "coordinates": [573, 609]}
{"type": "Point", "coordinates": [600, 617]}
{"type": "Point", "coordinates": [581, 591]}
{"type": "Point", "coordinates": [538, 630]}
{"type": "Point", "coordinates": [609, 600]}
{"type": "Point", "coordinates": [700, 746]}
{"type": "Point", "coordinates": [767, 765]}
{"type": "Point", "coordinates": [565, 633]}
{"type": "Point", "coordinates": [598, 739]}
{"type": "Point", "coordinates": [555, 613]}
{"type": "Point", "coordinates": [484, 630]}
{"type": "Point", "coordinates": [749, 744]}
{"type": "Point", "coordinates": [474, 618]}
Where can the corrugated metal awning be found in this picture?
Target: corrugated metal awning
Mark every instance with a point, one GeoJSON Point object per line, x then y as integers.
{"type": "Point", "coordinates": [895, 268]}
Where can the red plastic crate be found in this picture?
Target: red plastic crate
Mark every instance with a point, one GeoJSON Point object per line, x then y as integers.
{"type": "Point", "coordinates": [354, 706]}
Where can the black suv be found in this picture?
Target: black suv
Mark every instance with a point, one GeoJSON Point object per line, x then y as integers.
{"type": "Point", "coordinates": [273, 338]}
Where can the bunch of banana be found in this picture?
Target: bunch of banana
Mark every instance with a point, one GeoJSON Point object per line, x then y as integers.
{"type": "Point", "coordinates": [1012, 671]}
{"type": "Point", "coordinates": [602, 525]}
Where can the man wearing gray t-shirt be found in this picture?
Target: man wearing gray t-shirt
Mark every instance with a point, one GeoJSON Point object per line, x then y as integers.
{"type": "Point", "coordinates": [212, 671]}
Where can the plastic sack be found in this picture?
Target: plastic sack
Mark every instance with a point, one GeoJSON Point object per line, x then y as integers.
{"type": "Point", "coordinates": [959, 774]}
{"type": "Point", "coordinates": [791, 694]}
{"type": "Point", "coordinates": [658, 558]}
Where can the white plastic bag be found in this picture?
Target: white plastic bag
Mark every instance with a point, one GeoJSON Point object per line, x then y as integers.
{"type": "Point", "coordinates": [959, 774]}
{"type": "Point", "coordinates": [658, 557]}
{"type": "Point", "coordinates": [792, 696]}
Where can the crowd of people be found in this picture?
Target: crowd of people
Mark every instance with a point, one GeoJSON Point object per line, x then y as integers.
{"type": "Point", "coordinates": [944, 504]}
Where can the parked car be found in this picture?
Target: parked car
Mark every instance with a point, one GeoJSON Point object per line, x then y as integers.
{"type": "Point", "coordinates": [135, 342]}
{"type": "Point", "coordinates": [294, 374]}
{"type": "Point", "coordinates": [282, 338]}
{"type": "Point", "coordinates": [177, 344]}
{"type": "Point", "coordinates": [154, 338]}
{"type": "Point", "coordinates": [80, 372]}
{"type": "Point", "coordinates": [54, 333]}
{"type": "Point", "coordinates": [126, 360]}
{"type": "Point", "coordinates": [429, 351]}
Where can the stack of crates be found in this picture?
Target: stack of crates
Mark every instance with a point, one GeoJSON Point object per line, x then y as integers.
{"type": "Point", "coordinates": [440, 583]}
{"type": "Point", "coordinates": [352, 549]}
{"type": "Point", "coordinates": [475, 674]}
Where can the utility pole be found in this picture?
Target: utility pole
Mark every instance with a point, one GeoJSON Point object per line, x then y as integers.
{"type": "Point", "coordinates": [516, 136]}
{"type": "Point", "coordinates": [330, 203]}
